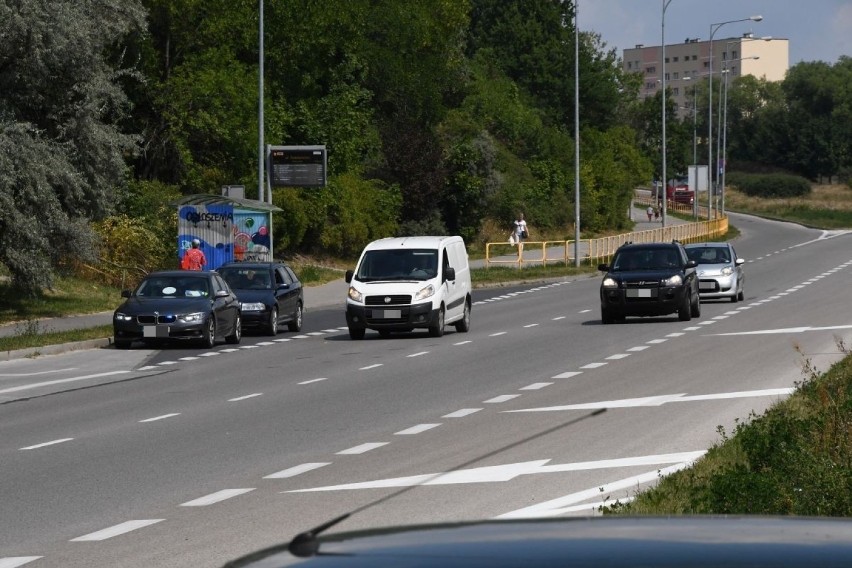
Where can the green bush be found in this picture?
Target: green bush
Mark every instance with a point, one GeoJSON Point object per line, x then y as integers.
{"type": "Point", "coordinates": [769, 185]}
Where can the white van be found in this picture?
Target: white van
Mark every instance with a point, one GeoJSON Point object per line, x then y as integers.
{"type": "Point", "coordinates": [409, 282]}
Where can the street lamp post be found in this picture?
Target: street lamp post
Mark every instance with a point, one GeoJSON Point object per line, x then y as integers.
{"type": "Point", "coordinates": [713, 29]}
{"type": "Point", "coordinates": [260, 151]}
{"type": "Point", "coordinates": [663, 59]}
{"type": "Point", "coordinates": [694, 146]}
{"type": "Point", "coordinates": [576, 136]}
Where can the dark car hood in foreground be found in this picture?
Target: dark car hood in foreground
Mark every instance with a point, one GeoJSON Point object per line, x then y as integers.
{"type": "Point", "coordinates": [614, 542]}
{"type": "Point", "coordinates": [140, 305]}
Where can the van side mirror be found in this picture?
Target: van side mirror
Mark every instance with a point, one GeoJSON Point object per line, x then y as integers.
{"type": "Point", "coordinates": [449, 273]}
{"type": "Point", "coordinates": [348, 276]}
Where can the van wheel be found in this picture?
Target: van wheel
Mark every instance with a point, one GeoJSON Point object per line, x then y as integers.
{"type": "Point", "coordinates": [463, 325]}
{"type": "Point", "coordinates": [437, 330]}
{"type": "Point", "coordinates": [356, 332]}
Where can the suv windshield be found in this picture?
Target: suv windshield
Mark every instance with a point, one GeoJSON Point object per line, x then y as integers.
{"type": "Point", "coordinates": [398, 264]}
{"type": "Point", "coordinates": [645, 259]}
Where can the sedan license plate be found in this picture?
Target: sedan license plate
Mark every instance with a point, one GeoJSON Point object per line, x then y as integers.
{"type": "Point", "coordinates": [638, 292]}
{"type": "Point", "coordinates": [388, 314]}
{"type": "Point", "coordinates": [155, 331]}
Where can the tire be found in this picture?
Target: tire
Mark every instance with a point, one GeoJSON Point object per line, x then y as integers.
{"type": "Point", "coordinates": [735, 298]}
{"type": "Point", "coordinates": [272, 324]}
{"type": "Point", "coordinates": [741, 295]}
{"type": "Point", "coordinates": [606, 316]}
{"type": "Point", "coordinates": [684, 312]}
{"type": "Point", "coordinates": [695, 310]}
{"type": "Point", "coordinates": [437, 329]}
{"type": "Point", "coordinates": [384, 333]}
{"type": "Point", "coordinates": [356, 332]}
{"type": "Point", "coordinates": [237, 335]}
{"type": "Point", "coordinates": [208, 336]}
{"type": "Point", "coordinates": [296, 324]}
{"type": "Point", "coordinates": [463, 325]}
{"type": "Point", "coordinates": [119, 344]}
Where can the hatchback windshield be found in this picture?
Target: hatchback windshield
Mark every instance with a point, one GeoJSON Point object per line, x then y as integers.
{"type": "Point", "coordinates": [709, 255]}
{"type": "Point", "coordinates": [398, 264]}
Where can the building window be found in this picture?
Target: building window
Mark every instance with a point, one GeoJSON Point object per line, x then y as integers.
{"type": "Point", "coordinates": [676, 91]}
{"type": "Point", "coordinates": [650, 70]}
{"type": "Point", "coordinates": [694, 57]}
{"type": "Point", "coordinates": [675, 59]}
{"type": "Point", "coordinates": [667, 76]}
{"type": "Point", "coordinates": [706, 64]}
{"type": "Point", "coordinates": [667, 59]}
{"type": "Point", "coordinates": [676, 76]}
{"type": "Point", "coordinates": [724, 55]}
{"type": "Point", "coordinates": [630, 65]}
{"type": "Point", "coordinates": [733, 55]}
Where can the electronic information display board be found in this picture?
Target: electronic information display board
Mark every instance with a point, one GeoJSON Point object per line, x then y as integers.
{"type": "Point", "coordinates": [296, 166]}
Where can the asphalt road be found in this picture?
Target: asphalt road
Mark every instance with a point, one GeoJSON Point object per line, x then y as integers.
{"type": "Point", "coordinates": [185, 457]}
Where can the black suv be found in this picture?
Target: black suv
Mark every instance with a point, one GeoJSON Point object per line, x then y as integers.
{"type": "Point", "coordinates": [649, 279]}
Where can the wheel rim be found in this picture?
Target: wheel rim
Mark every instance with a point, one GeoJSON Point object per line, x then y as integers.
{"type": "Point", "coordinates": [211, 332]}
{"type": "Point", "coordinates": [238, 328]}
{"type": "Point", "coordinates": [273, 321]}
{"type": "Point", "coordinates": [299, 317]}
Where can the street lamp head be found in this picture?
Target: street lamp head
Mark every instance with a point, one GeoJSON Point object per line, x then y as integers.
{"type": "Point", "coordinates": [756, 18]}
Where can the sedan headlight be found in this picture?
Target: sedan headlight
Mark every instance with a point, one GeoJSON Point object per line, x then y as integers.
{"type": "Point", "coordinates": [191, 318]}
{"type": "Point", "coordinates": [252, 306]}
{"type": "Point", "coordinates": [123, 317]}
{"type": "Point", "coordinates": [424, 293]}
{"type": "Point", "coordinates": [675, 280]}
{"type": "Point", "coordinates": [355, 295]}
{"type": "Point", "coordinates": [727, 271]}
{"type": "Point", "coordinates": [609, 282]}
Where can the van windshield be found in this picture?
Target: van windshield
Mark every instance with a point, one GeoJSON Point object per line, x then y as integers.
{"type": "Point", "coordinates": [398, 264]}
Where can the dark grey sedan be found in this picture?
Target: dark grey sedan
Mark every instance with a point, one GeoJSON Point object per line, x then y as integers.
{"type": "Point", "coordinates": [270, 294]}
{"type": "Point", "coordinates": [178, 305]}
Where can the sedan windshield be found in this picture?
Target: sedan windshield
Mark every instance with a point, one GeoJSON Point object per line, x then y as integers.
{"type": "Point", "coordinates": [398, 264]}
{"type": "Point", "coordinates": [246, 278]}
{"type": "Point", "coordinates": [174, 287]}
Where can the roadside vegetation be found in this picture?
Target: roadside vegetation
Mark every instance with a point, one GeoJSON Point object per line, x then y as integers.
{"type": "Point", "coordinates": [795, 459]}
{"type": "Point", "coordinates": [825, 207]}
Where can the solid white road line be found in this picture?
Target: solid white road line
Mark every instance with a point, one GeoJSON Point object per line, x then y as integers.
{"type": "Point", "coordinates": [47, 444]}
{"type": "Point", "coordinates": [216, 497]}
{"type": "Point", "coordinates": [116, 530]}
{"type": "Point", "coordinates": [32, 375]}
{"type": "Point", "coordinates": [296, 470]}
{"type": "Point", "coordinates": [61, 381]}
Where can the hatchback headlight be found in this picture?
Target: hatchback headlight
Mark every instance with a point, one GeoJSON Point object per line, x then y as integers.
{"type": "Point", "coordinates": [191, 318]}
{"type": "Point", "coordinates": [252, 306]}
{"type": "Point", "coordinates": [355, 295]}
{"type": "Point", "coordinates": [675, 280]}
{"type": "Point", "coordinates": [609, 282]}
{"type": "Point", "coordinates": [727, 271]}
{"type": "Point", "coordinates": [424, 293]}
{"type": "Point", "coordinates": [123, 317]}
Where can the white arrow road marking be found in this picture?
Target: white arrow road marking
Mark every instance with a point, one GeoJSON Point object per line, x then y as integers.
{"type": "Point", "coordinates": [561, 506]}
{"type": "Point", "coordinates": [15, 561]}
{"type": "Point", "coordinates": [786, 330]}
{"type": "Point", "coordinates": [659, 400]}
{"type": "Point", "coordinates": [507, 472]}
{"type": "Point", "coordinates": [116, 530]}
{"type": "Point", "coordinates": [60, 381]}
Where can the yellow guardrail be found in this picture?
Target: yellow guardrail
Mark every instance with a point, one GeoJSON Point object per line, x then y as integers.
{"type": "Point", "coordinates": [593, 251]}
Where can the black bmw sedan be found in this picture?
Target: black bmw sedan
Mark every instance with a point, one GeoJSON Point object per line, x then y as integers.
{"type": "Point", "coordinates": [178, 305]}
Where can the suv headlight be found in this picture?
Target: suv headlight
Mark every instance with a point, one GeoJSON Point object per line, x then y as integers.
{"type": "Point", "coordinates": [355, 295]}
{"type": "Point", "coordinates": [609, 282]}
{"type": "Point", "coordinates": [123, 317]}
{"type": "Point", "coordinates": [675, 280]}
{"type": "Point", "coordinates": [191, 318]}
{"type": "Point", "coordinates": [252, 306]}
{"type": "Point", "coordinates": [424, 293]}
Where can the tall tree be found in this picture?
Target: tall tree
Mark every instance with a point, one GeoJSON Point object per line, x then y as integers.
{"type": "Point", "coordinates": [62, 150]}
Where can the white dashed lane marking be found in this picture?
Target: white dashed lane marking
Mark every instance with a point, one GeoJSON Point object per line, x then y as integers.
{"type": "Point", "coordinates": [15, 561]}
{"type": "Point", "coordinates": [216, 497]}
{"type": "Point", "coordinates": [535, 386]}
{"type": "Point", "coordinates": [363, 448]}
{"type": "Point", "coordinates": [297, 470]}
{"type": "Point", "coordinates": [461, 413]}
{"type": "Point", "coordinates": [416, 429]}
{"type": "Point", "coordinates": [117, 530]}
{"type": "Point", "coordinates": [245, 397]}
{"type": "Point", "coordinates": [313, 381]}
{"type": "Point", "coordinates": [45, 444]}
{"type": "Point", "coordinates": [368, 367]}
{"type": "Point", "coordinates": [567, 375]}
{"type": "Point", "coordinates": [501, 398]}
{"type": "Point", "coordinates": [163, 417]}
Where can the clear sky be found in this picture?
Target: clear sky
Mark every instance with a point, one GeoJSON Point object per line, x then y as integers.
{"type": "Point", "coordinates": [818, 30]}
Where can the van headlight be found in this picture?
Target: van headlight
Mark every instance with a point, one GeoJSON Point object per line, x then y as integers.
{"type": "Point", "coordinates": [424, 293]}
{"type": "Point", "coordinates": [355, 295]}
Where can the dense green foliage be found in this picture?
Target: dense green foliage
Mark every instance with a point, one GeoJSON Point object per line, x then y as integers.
{"type": "Point", "coordinates": [770, 185]}
{"type": "Point", "coordinates": [440, 116]}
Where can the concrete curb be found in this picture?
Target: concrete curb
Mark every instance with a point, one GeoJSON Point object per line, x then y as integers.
{"type": "Point", "coordinates": [56, 349]}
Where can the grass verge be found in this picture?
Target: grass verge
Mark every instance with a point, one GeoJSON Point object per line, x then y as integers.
{"type": "Point", "coordinates": [33, 334]}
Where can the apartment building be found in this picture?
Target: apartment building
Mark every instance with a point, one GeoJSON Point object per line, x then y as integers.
{"type": "Point", "coordinates": [689, 62]}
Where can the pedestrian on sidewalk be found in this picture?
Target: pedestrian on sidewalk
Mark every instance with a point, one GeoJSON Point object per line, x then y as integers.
{"type": "Point", "coordinates": [194, 259]}
{"type": "Point", "coordinates": [650, 212]}
{"type": "Point", "coordinates": [521, 233]}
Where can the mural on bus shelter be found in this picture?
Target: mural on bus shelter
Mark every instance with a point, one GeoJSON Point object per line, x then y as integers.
{"type": "Point", "coordinates": [252, 238]}
{"type": "Point", "coordinates": [226, 233]}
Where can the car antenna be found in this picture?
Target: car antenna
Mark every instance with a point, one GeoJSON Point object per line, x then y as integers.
{"type": "Point", "coordinates": [306, 544]}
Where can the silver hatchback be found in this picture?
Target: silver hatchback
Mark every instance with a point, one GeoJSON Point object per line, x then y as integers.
{"type": "Point", "coordinates": [720, 271]}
